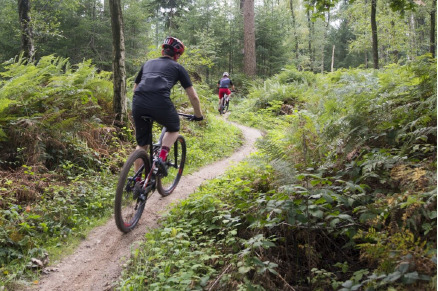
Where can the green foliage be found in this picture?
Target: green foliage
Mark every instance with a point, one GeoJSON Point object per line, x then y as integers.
{"type": "Point", "coordinates": [178, 255]}
{"type": "Point", "coordinates": [60, 213]}
{"type": "Point", "coordinates": [9, 30]}
{"type": "Point", "coordinates": [42, 117]}
{"type": "Point", "coordinates": [66, 113]}
{"type": "Point", "coordinates": [337, 184]}
{"type": "Point", "coordinates": [357, 154]}
{"type": "Point", "coordinates": [271, 51]}
{"type": "Point", "coordinates": [198, 245]}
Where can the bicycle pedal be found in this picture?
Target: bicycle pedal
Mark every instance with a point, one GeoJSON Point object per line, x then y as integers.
{"type": "Point", "coordinates": [143, 197]}
{"type": "Point", "coordinates": [161, 167]}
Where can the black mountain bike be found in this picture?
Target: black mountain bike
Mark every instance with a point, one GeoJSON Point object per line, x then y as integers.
{"type": "Point", "coordinates": [136, 186]}
{"type": "Point", "coordinates": [225, 102]}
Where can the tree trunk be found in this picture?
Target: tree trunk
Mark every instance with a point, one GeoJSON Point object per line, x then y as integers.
{"type": "Point", "coordinates": [374, 33]}
{"type": "Point", "coordinates": [119, 73]}
{"type": "Point", "coordinates": [333, 59]}
{"type": "Point", "coordinates": [230, 56]}
{"type": "Point", "coordinates": [249, 54]}
{"type": "Point", "coordinates": [432, 29]}
{"type": "Point", "coordinates": [27, 45]}
{"type": "Point", "coordinates": [327, 23]}
{"type": "Point", "coordinates": [366, 60]}
{"type": "Point", "coordinates": [309, 24]}
{"type": "Point", "coordinates": [294, 27]}
{"type": "Point", "coordinates": [93, 33]}
{"type": "Point", "coordinates": [413, 39]}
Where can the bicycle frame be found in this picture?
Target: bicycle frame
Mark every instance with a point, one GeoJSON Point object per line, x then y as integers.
{"type": "Point", "coordinates": [153, 148]}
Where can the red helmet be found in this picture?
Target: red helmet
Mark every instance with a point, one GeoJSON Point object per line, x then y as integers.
{"type": "Point", "coordinates": [175, 44]}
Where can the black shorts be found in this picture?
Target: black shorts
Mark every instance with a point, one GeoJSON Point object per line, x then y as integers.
{"type": "Point", "coordinates": [166, 116]}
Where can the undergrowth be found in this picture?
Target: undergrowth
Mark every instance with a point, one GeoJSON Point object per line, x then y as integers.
{"type": "Point", "coordinates": [342, 195]}
{"type": "Point", "coordinates": [60, 154]}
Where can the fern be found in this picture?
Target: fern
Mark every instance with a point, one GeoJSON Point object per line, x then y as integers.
{"type": "Point", "coordinates": [60, 98]}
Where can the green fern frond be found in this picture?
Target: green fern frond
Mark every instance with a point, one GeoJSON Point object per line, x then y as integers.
{"type": "Point", "coordinates": [420, 135]}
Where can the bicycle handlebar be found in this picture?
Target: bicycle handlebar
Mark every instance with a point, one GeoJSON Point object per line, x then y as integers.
{"type": "Point", "coordinates": [191, 117]}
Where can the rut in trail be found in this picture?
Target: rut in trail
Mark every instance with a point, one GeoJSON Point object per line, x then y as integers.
{"type": "Point", "coordinates": [98, 260]}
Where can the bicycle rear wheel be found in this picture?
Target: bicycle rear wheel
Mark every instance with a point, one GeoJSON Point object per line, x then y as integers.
{"type": "Point", "coordinates": [175, 162]}
{"type": "Point", "coordinates": [222, 106]}
{"type": "Point", "coordinates": [129, 202]}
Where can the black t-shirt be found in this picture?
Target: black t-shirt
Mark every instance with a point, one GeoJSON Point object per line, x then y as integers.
{"type": "Point", "coordinates": [157, 77]}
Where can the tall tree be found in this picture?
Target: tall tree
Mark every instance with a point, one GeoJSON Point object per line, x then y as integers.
{"type": "Point", "coordinates": [374, 34]}
{"type": "Point", "coordinates": [432, 29]}
{"type": "Point", "coordinates": [326, 26]}
{"type": "Point", "coordinates": [119, 73]}
{"type": "Point", "coordinates": [27, 44]}
{"type": "Point", "coordinates": [294, 27]}
{"type": "Point", "coordinates": [249, 58]}
{"type": "Point", "coordinates": [309, 41]}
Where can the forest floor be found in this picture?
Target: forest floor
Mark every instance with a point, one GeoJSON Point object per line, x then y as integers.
{"type": "Point", "coordinates": [98, 261]}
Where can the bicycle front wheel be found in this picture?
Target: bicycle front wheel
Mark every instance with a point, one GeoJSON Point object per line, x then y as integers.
{"type": "Point", "coordinates": [175, 162]}
{"type": "Point", "coordinates": [129, 202]}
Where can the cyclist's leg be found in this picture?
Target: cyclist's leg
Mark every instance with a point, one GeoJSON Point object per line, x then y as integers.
{"type": "Point", "coordinates": [221, 96]}
{"type": "Point", "coordinates": [169, 119]}
{"type": "Point", "coordinates": [142, 132]}
{"type": "Point", "coordinates": [168, 140]}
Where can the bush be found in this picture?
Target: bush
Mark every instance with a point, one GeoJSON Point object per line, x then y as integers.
{"type": "Point", "coordinates": [47, 109]}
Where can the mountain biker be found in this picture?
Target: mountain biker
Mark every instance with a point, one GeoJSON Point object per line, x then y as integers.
{"type": "Point", "coordinates": [152, 98]}
{"type": "Point", "coordinates": [224, 87]}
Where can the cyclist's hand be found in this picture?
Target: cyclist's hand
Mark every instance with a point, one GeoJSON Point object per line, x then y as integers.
{"type": "Point", "coordinates": [194, 118]}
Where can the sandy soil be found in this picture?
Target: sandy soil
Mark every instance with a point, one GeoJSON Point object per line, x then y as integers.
{"type": "Point", "coordinates": [97, 262]}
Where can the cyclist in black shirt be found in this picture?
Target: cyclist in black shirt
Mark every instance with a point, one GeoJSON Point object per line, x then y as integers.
{"type": "Point", "coordinates": [152, 96]}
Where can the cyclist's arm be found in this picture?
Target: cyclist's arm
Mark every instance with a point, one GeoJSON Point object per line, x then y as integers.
{"type": "Point", "coordinates": [194, 100]}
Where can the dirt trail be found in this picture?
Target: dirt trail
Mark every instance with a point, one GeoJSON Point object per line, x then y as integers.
{"type": "Point", "coordinates": [97, 262]}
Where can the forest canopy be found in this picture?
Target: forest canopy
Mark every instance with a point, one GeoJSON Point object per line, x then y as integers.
{"type": "Point", "coordinates": [308, 34]}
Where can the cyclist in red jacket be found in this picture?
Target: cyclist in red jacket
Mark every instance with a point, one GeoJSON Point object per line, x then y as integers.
{"type": "Point", "coordinates": [224, 87]}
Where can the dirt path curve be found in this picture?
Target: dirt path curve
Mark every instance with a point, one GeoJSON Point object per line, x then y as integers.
{"type": "Point", "coordinates": [98, 260]}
